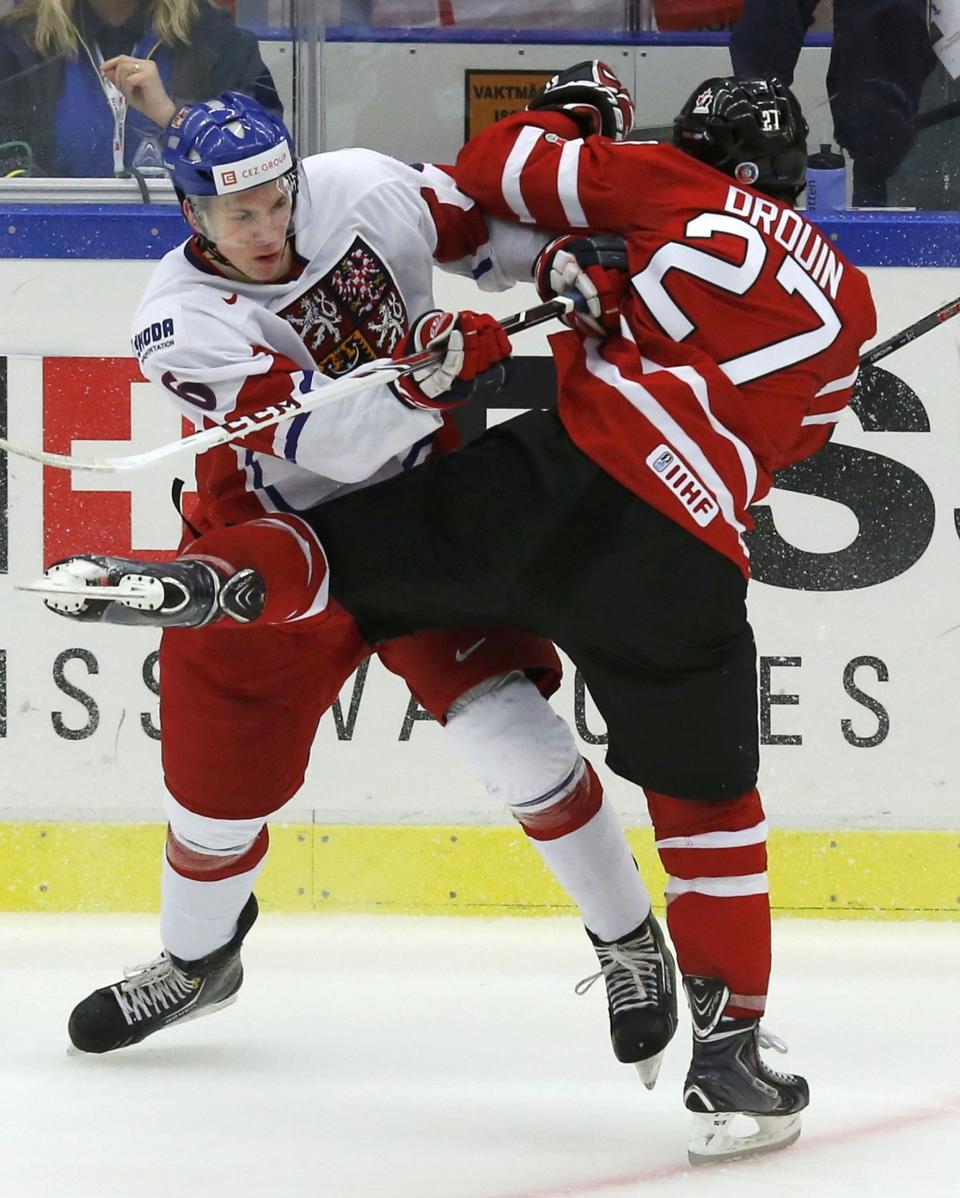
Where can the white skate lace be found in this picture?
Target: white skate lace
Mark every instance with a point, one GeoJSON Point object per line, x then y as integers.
{"type": "Point", "coordinates": [766, 1039]}
{"type": "Point", "coordinates": [631, 972]}
{"type": "Point", "coordinates": [148, 989]}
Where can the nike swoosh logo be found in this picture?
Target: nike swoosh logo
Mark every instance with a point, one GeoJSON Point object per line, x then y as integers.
{"type": "Point", "coordinates": [230, 299]}
{"type": "Point", "coordinates": [463, 654]}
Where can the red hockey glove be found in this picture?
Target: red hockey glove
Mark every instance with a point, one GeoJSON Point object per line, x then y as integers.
{"type": "Point", "coordinates": [592, 95]}
{"type": "Point", "coordinates": [596, 266]}
{"type": "Point", "coordinates": [475, 349]}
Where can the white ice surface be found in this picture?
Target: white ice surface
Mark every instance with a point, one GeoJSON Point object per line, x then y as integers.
{"type": "Point", "coordinates": [449, 1058]}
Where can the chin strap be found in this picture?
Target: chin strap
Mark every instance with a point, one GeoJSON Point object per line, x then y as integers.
{"type": "Point", "coordinates": [209, 249]}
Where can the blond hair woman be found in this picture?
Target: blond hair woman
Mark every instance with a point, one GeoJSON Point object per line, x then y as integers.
{"type": "Point", "coordinates": [63, 113]}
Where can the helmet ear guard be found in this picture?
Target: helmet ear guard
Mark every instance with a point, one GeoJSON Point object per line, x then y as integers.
{"type": "Point", "coordinates": [751, 129]}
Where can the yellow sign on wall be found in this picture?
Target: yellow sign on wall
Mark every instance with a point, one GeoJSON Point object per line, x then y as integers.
{"type": "Point", "coordinates": [491, 95]}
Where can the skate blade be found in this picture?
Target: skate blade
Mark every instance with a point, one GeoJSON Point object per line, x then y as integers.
{"type": "Point", "coordinates": [73, 1051]}
{"type": "Point", "coordinates": [143, 593]}
{"type": "Point", "coordinates": [713, 1142]}
{"type": "Point", "coordinates": [649, 1070]}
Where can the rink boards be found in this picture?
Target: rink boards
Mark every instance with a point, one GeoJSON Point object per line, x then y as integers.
{"type": "Point", "coordinates": [856, 608]}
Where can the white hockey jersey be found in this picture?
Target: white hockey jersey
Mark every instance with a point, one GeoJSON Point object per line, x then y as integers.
{"type": "Point", "coordinates": [368, 231]}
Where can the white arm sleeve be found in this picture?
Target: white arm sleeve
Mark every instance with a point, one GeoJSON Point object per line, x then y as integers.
{"type": "Point", "coordinates": [213, 373]}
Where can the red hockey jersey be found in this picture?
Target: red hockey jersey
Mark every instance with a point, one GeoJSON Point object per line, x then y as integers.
{"type": "Point", "coordinates": [740, 335]}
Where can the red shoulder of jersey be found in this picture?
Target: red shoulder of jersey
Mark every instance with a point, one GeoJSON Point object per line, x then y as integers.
{"type": "Point", "coordinates": [460, 224]}
{"type": "Point", "coordinates": [534, 168]}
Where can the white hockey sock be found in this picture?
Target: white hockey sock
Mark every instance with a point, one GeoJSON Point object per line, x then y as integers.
{"type": "Point", "coordinates": [595, 867]}
{"type": "Point", "coordinates": [199, 917]}
{"type": "Point", "coordinates": [526, 756]}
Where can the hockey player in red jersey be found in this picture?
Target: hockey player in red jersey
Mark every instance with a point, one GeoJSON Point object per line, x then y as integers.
{"type": "Point", "coordinates": [735, 353]}
{"type": "Point", "coordinates": [616, 526]}
{"type": "Point", "coordinates": [297, 272]}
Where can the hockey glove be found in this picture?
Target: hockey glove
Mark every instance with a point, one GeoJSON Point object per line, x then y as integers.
{"type": "Point", "coordinates": [474, 348]}
{"type": "Point", "coordinates": [596, 267]}
{"type": "Point", "coordinates": [592, 95]}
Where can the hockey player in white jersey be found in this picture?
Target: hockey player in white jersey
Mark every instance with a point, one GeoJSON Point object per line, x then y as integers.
{"type": "Point", "coordinates": [296, 273]}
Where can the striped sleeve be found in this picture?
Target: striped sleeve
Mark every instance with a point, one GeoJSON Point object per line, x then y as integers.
{"type": "Point", "coordinates": [491, 253]}
{"type": "Point", "coordinates": [347, 439]}
{"type": "Point", "coordinates": [841, 372]}
{"type": "Point", "coordinates": [533, 168]}
{"type": "Point", "coordinates": [824, 412]}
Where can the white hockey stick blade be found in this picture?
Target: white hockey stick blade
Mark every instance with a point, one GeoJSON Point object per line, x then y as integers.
{"type": "Point", "coordinates": [376, 373]}
{"type": "Point", "coordinates": [60, 460]}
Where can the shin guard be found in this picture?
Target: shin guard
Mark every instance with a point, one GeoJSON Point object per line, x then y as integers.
{"type": "Point", "coordinates": [526, 757]}
{"type": "Point", "coordinates": [205, 884]}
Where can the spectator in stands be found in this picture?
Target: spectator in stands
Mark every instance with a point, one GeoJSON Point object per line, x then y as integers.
{"type": "Point", "coordinates": [66, 114]}
{"type": "Point", "coordinates": [881, 55]}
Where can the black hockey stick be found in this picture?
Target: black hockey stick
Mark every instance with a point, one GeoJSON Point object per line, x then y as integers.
{"type": "Point", "coordinates": [910, 333]}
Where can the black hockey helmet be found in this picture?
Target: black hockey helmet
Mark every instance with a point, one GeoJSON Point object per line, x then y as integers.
{"type": "Point", "coordinates": [751, 129]}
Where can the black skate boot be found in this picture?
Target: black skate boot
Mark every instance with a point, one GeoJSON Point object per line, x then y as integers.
{"type": "Point", "coordinates": [641, 983]}
{"type": "Point", "coordinates": [186, 593]}
{"type": "Point", "coordinates": [167, 991]}
{"type": "Point", "coordinates": [727, 1077]}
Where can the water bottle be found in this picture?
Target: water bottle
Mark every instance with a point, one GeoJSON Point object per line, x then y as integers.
{"type": "Point", "coordinates": [826, 181]}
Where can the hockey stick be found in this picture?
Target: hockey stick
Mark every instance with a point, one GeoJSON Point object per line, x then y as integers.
{"type": "Point", "coordinates": [910, 333]}
{"type": "Point", "coordinates": [383, 370]}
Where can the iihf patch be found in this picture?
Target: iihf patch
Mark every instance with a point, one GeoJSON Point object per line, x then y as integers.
{"type": "Point", "coordinates": [676, 475]}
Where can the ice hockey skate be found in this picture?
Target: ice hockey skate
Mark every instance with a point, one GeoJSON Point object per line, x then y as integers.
{"type": "Point", "coordinates": [641, 981]}
{"type": "Point", "coordinates": [160, 994]}
{"type": "Point", "coordinates": [186, 593]}
{"type": "Point", "coordinates": [727, 1079]}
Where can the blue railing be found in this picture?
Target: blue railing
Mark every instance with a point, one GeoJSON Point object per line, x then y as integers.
{"type": "Point", "coordinates": [560, 37]}
{"type": "Point", "coordinates": [125, 231]}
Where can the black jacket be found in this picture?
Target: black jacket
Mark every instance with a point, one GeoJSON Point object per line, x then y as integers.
{"type": "Point", "coordinates": [221, 57]}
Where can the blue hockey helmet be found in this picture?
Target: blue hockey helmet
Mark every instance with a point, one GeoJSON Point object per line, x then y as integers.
{"type": "Point", "coordinates": [227, 145]}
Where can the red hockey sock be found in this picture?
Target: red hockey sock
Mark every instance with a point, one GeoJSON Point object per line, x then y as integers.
{"type": "Point", "coordinates": [288, 555]}
{"type": "Point", "coordinates": [718, 907]}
